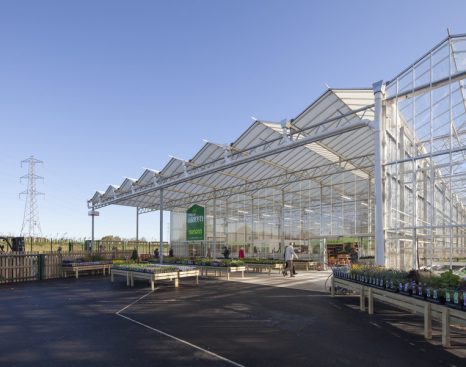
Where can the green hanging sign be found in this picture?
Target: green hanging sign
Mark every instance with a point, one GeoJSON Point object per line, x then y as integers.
{"type": "Point", "coordinates": [195, 223]}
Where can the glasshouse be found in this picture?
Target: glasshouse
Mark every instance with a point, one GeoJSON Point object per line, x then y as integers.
{"type": "Point", "coordinates": [381, 170]}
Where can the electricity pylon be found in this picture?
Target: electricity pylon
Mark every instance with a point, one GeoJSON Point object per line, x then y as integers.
{"type": "Point", "coordinates": [31, 221]}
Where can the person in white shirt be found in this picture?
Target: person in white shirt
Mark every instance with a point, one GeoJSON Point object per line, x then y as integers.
{"type": "Point", "coordinates": [289, 255]}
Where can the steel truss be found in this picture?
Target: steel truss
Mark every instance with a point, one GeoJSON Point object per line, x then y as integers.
{"type": "Point", "coordinates": [280, 182]}
{"type": "Point", "coordinates": [236, 159]}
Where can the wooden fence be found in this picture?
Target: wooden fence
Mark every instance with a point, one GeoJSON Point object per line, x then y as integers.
{"type": "Point", "coordinates": [23, 267]}
{"type": "Point", "coordinates": [18, 267]}
{"type": "Point", "coordinates": [43, 245]}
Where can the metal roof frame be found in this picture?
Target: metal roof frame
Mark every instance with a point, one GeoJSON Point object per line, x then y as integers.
{"type": "Point", "coordinates": [265, 150]}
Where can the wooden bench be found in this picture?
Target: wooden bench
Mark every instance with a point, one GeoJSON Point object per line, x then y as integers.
{"type": "Point", "coordinates": [76, 268]}
{"type": "Point", "coordinates": [227, 270]}
{"type": "Point", "coordinates": [428, 309]}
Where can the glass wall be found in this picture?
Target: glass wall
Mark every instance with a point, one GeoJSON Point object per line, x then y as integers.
{"type": "Point", "coordinates": [306, 212]}
{"type": "Point", "coordinates": [425, 121]}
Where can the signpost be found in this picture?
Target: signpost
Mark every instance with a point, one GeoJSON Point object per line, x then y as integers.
{"type": "Point", "coordinates": [93, 213]}
{"type": "Point", "coordinates": [195, 223]}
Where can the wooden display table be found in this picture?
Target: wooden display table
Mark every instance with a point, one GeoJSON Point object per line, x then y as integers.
{"type": "Point", "coordinates": [428, 309]}
{"type": "Point", "coordinates": [303, 264]}
{"type": "Point", "coordinates": [259, 268]}
{"type": "Point", "coordinates": [222, 270]}
{"type": "Point", "coordinates": [76, 268]}
{"type": "Point", "coordinates": [154, 277]}
{"type": "Point", "coordinates": [189, 274]}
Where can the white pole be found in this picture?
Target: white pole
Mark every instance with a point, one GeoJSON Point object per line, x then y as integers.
{"type": "Point", "coordinates": [323, 250]}
{"type": "Point", "coordinates": [214, 245]}
{"type": "Point", "coordinates": [282, 221]}
{"type": "Point", "coordinates": [161, 226]}
{"type": "Point", "coordinates": [137, 224]}
{"type": "Point", "coordinates": [92, 240]}
{"type": "Point", "coordinates": [379, 90]}
{"type": "Point", "coordinates": [451, 130]}
{"type": "Point", "coordinates": [252, 225]}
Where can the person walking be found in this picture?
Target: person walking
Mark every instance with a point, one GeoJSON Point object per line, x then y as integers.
{"type": "Point", "coordinates": [289, 255]}
{"type": "Point", "coordinates": [241, 253]}
{"type": "Point", "coordinates": [354, 255]}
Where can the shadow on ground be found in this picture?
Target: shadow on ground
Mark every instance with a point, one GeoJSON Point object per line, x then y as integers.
{"type": "Point", "coordinates": [74, 322]}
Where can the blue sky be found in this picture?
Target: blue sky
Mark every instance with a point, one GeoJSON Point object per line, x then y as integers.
{"type": "Point", "coordinates": [101, 89]}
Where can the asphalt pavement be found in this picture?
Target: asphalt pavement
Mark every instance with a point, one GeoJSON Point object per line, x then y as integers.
{"type": "Point", "coordinates": [260, 321]}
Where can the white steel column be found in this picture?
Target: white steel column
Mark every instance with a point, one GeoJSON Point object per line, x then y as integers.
{"type": "Point", "coordinates": [137, 224]}
{"type": "Point", "coordinates": [245, 220]}
{"type": "Point", "coordinates": [444, 229]}
{"type": "Point", "coordinates": [331, 205]}
{"type": "Point", "coordinates": [402, 206]}
{"type": "Point", "coordinates": [415, 249]}
{"type": "Point", "coordinates": [433, 220]}
{"type": "Point", "coordinates": [379, 89]}
{"type": "Point", "coordinates": [323, 250]}
{"type": "Point", "coordinates": [450, 109]}
{"type": "Point", "coordinates": [369, 215]}
{"type": "Point", "coordinates": [214, 213]}
{"type": "Point", "coordinates": [252, 224]}
{"type": "Point", "coordinates": [161, 226]}
{"type": "Point", "coordinates": [92, 238]}
{"type": "Point", "coordinates": [282, 220]}
{"type": "Point", "coordinates": [425, 218]}
{"type": "Point", "coordinates": [355, 207]}
{"type": "Point", "coordinates": [225, 222]}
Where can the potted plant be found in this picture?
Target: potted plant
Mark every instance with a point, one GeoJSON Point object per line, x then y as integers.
{"type": "Point", "coordinates": [451, 283]}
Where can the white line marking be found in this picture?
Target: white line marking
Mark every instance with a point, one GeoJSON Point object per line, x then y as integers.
{"type": "Point", "coordinates": [171, 336]}
{"type": "Point", "coordinates": [336, 306]}
{"type": "Point", "coordinates": [182, 341]}
{"type": "Point", "coordinates": [133, 303]}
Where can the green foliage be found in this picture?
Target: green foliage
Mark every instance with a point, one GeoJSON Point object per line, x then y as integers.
{"type": "Point", "coordinates": [145, 267]}
{"type": "Point", "coordinates": [348, 248]}
{"type": "Point", "coordinates": [449, 280]}
{"type": "Point", "coordinates": [134, 255]}
{"type": "Point", "coordinates": [446, 282]}
{"type": "Point", "coordinates": [430, 279]}
{"type": "Point", "coordinates": [262, 261]}
{"type": "Point", "coordinates": [201, 261]}
{"type": "Point", "coordinates": [228, 262]}
{"type": "Point", "coordinates": [119, 261]}
{"type": "Point", "coordinates": [93, 257]}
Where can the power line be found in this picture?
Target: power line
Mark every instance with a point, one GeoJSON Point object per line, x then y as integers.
{"type": "Point", "coordinates": [31, 221]}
